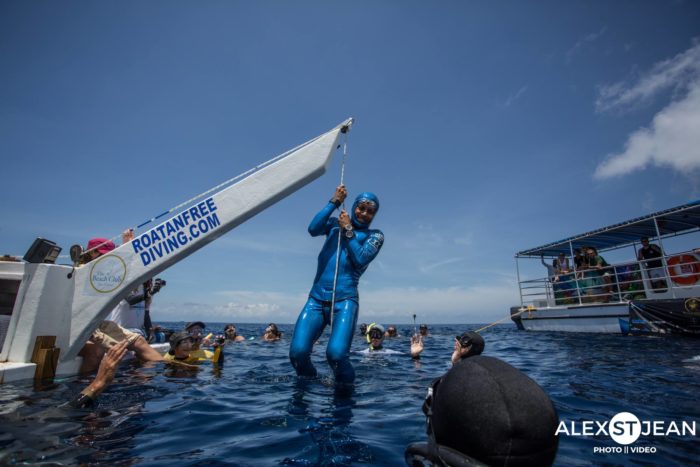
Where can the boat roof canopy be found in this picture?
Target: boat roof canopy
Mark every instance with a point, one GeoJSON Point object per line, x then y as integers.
{"type": "Point", "coordinates": [671, 222]}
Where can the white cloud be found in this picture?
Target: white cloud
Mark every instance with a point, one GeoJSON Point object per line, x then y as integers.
{"type": "Point", "coordinates": [477, 304]}
{"type": "Point", "coordinates": [515, 97]}
{"type": "Point", "coordinates": [672, 139]}
{"type": "Point", "coordinates": [648, 202]}
{"type": "Point", "coordinates": [467, 239]}
{"type": "Point", "coordinates": [235, 306]}
{"type": "Point", "coordinates": [439, 264]}
{"type": "Point", "coordinates": [587, 39]}
{"type": "Point", "coordinates": [675, 72]}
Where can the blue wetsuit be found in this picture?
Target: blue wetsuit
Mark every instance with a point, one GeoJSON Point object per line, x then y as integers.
{"type": "Point", "coordinates": [356, 252]}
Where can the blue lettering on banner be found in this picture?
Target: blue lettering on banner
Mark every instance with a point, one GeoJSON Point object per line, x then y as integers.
{"type": "Point", "coordinates": [168, 237]}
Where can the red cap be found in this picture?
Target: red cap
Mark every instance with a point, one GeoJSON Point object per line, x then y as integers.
{"type": "Point", "coordinates": [101, 245]}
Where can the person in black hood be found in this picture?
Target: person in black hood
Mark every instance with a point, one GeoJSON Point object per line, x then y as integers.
{"type": "Point", "coordinates": [467, 345]}
{"type": "Point", "coordinates": [483, 411]}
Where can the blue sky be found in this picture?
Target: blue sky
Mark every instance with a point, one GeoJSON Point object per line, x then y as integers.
{"type": "Point", "coordinates": [485, 128]}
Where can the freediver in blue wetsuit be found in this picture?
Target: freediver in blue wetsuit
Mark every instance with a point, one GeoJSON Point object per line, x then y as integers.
{"type": "Point", "coordinates": [359, 245]}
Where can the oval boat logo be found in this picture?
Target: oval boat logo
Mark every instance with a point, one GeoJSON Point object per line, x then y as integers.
{"type": "Point", "coordinates": [692, 306]}
{"type": "Point", "coordinates": [107, 273]}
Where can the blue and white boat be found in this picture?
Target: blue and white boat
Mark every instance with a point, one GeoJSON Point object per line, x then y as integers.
{"type": "Point", "coordinates": [583, 300]}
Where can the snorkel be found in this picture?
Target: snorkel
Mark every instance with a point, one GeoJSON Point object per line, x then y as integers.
{"type": "Point", "coordinates": [366, 197]}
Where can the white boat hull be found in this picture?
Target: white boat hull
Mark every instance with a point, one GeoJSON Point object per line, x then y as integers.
{"type": "Point", "coordinates": [599, 318]}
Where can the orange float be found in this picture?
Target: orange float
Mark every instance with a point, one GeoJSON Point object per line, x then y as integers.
{"type": "Point", "coordinates": [684, 269]}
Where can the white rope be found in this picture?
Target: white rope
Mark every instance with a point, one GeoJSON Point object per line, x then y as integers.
{"type": "Point", "coordinates": [340, 233]}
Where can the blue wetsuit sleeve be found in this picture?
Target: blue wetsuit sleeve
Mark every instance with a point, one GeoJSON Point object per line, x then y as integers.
{"type": "Point", "coordinates": [322, 222]}
{"type": "Point", "coordinates": [362, 253]}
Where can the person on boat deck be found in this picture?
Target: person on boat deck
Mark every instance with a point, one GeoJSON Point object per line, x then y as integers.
{"type": "Point", "coordinates": [109, 333]}
{"type": "Point", "coordinates": [551, 270]}
{"type": "Point", "coordinates": [561, 264]}
{"type": "Point", "coordinates": [103, 378]}
{"type": "Point", "coordinates": [655, 267]}
{"type": "Point", "coordinates": [579, 262]}
{"type": "Point", "coordinates": [598, 264]}
{"type": "Point", "coordinates": [359, 245]}
{"type": "Point", "coordinates": [231, 334]}
{"type": "Point", "coordinates": [391, 332]}
{"type": "Point", "coordinates": [375, 339]}
{"type": "Point", "coordinates": [484, 411]}
{"type": "Point", "coordinates": [467, 345]}
{"type": "Point", "coordinates": [182, 351]}
{"type": "Point", "coordinates": [271, 333]}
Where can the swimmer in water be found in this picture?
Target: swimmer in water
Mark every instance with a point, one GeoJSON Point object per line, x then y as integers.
{"type": "Point", "coordinates": [423, 330]}
{"type": "Point", "coordinates": [196, 331]}
{"type": "Point", "coordinates": [182, 351]}
{"type": "Point", "coordinates": [467, 345]}
{"type": "Point", "coordinates": [375, 338]}
{"type": "Point", "coordinates": [272, 333]}
{"type": "Point", "coordinates": [231, 334]}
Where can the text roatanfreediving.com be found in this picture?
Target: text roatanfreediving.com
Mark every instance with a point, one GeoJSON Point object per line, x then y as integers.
{"type": "Point", "coordinates": [176, 232]}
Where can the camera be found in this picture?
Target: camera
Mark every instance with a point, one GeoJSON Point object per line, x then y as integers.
{"type": "Point", "coordinates": [157, 284]}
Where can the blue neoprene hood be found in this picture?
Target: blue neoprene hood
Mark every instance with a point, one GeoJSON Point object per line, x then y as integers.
{"type": "Point", "coordinates": [365, 196]}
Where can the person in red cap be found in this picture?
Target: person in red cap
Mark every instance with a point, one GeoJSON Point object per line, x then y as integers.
{"type": "Point", "coordinates": [96, 247]}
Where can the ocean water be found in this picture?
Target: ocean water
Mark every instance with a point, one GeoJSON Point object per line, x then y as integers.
{"type": "Point", "coordinates": [254, 411]}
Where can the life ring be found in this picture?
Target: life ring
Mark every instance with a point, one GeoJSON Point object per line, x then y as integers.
{"type": "Point", "coordinates": [684, 269]}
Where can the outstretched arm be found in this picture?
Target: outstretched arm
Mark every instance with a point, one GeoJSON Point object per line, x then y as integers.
{"type": "Point", "coordinates": [416, 346]}
{"type": "Point", "coordinates": [105, 375]}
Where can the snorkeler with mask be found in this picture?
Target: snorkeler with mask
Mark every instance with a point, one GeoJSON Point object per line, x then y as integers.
{"type": "Point", "coordinates": [359, 245]}
{"type": "Point", "coordinates": [375, 339]}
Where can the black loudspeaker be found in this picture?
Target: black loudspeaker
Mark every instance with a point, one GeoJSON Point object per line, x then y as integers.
{"type": "Point", "coordinates": [42, 251]}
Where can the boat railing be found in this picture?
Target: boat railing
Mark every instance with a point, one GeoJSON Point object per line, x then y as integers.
{"type": "Point", "coordinates": [680, 271]}
{"type": "Point", "coordinates": [616, 283]}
